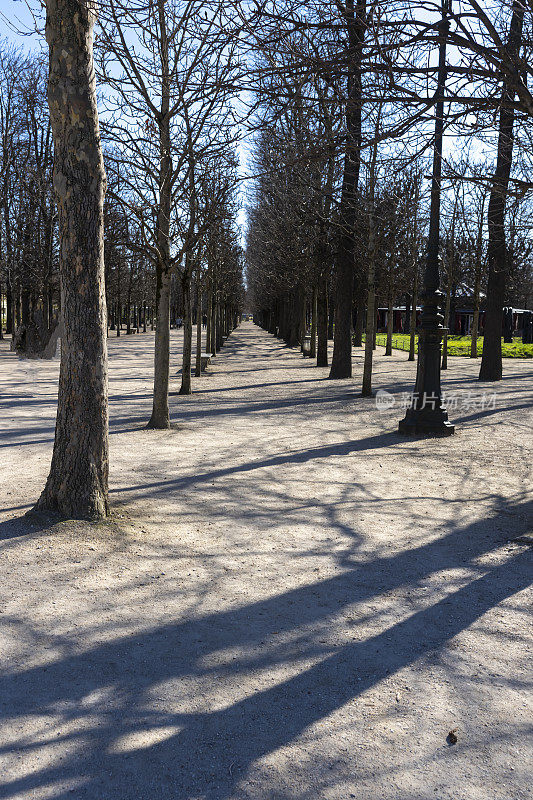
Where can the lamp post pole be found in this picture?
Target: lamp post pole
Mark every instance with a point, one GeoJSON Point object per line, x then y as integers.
{"type": "Point", "coordinates": [427, 414]}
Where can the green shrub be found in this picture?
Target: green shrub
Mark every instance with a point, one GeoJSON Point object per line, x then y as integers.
{"type": "Point", "coordinates": [459, 345]}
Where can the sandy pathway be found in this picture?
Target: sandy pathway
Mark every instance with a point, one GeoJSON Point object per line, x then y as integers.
{"type": "Point", "coordinates": [291, 601]}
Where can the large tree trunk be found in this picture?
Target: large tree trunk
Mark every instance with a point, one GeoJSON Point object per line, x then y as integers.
{"type": "Point", "coordinates": [491, 360]}
{"type": "Point", "coordinates": [341, 362]}
{"type": "Point", "coordinates": [77, 485]}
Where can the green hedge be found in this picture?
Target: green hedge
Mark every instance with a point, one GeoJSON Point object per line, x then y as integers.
{"type": "Point", "coordinates": [460, 345]}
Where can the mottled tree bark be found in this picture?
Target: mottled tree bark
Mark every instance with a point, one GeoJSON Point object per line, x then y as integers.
{"type": "Point", "coordinates": [77, 485]}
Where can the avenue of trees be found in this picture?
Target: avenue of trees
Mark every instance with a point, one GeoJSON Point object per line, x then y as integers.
{"type": "Point", "coordinates": [120, 176]}
{"type": "Point", "coordinates": [346, 94]}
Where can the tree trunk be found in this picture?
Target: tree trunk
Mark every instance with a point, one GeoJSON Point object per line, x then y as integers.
{"type": "Point", "coordinates": [371, 302]}
{"type": "Point", "coordinates": [187, 333]}
{"type": "Point", "coordinates": [160, 414]}
{"type": "Point", "coordinates": [475, 320]}
{"type": "Point", "coordinates": [412, 332]}
{"type": "Point", "coordinates": [322, 321]}
{"type": "Point", "coordinates": [198, 370]}
{"type": "Point", "coordinates": [219, 336]}
{"type": "Point", "coordinates": [18, 308]}
{"type": "Point", "coordinates": [209, 314]}
{"type": "Point", "coordinates": [314, 315]}
{"type": "Point", "coordinates": [331, 317]}
{"type": "Point", "coordinates": [358, 327]}
{"type": "Point", "coordinates": [293, 321]}
{"type": "Point", "coordinates": [341, 362]}
{"type": "Point", "coordinates": [491, 360]}
{"type": "Point", "coordinates": [213, 343]}
{"type": "Point", "coordinates": [9, 309]}
{"type": "Point", "coordinates": [302, 326]}
{"type": "Point", "coordinates": [77, 485]}
{"type": "Point", "coordinates": [390, 325]}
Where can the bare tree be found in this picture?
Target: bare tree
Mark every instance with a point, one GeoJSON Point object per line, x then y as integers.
{"type": "Point", "coordinates": [77, 485]}
{"type": "Point", "coordinates": [170, 67]}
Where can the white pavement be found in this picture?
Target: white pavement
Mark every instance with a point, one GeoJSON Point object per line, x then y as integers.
{"type": "Point", "coordinates": [290, 602]}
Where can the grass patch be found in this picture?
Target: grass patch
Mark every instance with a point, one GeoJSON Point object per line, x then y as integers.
{"type": "Point", "coordinates": [460, 345]}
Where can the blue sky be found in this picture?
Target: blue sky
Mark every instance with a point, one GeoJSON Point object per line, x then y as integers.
{"type": "Point", "coordinates": [15, 15]}
{"type": "Point", "coordinates": [17, 24]}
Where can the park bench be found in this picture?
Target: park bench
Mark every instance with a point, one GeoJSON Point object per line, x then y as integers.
{"type": "Point", "coordinates": [205, 360]}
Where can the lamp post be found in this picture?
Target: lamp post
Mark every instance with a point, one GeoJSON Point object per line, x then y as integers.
{"type": "Point", "coordinates": [427, 414]}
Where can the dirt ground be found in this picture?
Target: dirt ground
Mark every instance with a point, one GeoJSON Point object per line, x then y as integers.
{"type": "Point", "coordinates": [290, 601]}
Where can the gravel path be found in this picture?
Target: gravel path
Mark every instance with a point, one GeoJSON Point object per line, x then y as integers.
{"type": "Point", "coordinates": [290, 601]}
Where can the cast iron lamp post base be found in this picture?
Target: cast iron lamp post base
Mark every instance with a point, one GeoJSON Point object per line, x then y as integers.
{"type": "Point", "coordinates": [427, 415]}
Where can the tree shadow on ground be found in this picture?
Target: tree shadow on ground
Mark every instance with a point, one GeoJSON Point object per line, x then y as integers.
{"type": "Point", "coordinates": [295, 457]}
{"type": "Point", "coordinates": [108, 694]}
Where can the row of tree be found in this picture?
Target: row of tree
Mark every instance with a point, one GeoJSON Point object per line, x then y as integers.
{"type": "Point", "coordinates": [339, 213]}
{"type": "Point", "coordinates": [154, 229]}
{"type": "Point", "coordinates": [29, 237]}
{"type": "Point", "coordinates": [341, 96]}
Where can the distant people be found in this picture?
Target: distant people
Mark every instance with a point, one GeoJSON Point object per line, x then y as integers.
{"type": "Point", "coordinates": [204, 320]}
{"type": "Point", "coordinates": [179, 322]}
